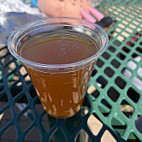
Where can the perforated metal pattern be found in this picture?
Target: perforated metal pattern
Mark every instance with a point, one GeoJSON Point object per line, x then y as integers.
{"type": "Point", "coordinates": [119, 70]}
{"type": "Point", "coordinates": [116, 106]}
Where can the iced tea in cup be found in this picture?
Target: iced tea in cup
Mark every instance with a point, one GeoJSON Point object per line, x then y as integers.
{"type": "Point", "coordinates": [59, 55]}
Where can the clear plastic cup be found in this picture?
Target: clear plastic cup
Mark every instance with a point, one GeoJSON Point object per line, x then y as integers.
{"type": "Point", "coordinates": [60, 87]}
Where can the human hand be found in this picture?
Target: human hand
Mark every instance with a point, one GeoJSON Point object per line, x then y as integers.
{"type": "Point", "coordinates": [64, 8]}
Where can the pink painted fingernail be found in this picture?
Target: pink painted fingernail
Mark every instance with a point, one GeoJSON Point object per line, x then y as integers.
{"type": "Point", "coordinates": [87, 16]}
{"type": "Point", "coordinates": [98, 15]}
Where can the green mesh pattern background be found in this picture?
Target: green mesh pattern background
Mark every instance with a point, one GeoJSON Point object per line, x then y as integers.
{"type": "Point", "coordinates": [116, 105]}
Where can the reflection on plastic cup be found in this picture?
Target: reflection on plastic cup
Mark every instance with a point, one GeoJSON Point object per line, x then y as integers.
{"type": "Point", "coordinates": [59, 71]}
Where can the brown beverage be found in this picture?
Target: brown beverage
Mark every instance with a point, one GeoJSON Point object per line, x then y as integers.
{"type": "Point", "coordinates": [61, 92]}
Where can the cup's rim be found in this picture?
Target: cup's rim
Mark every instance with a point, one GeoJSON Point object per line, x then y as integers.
{"type": "Point", "coordinates": [15, 34]}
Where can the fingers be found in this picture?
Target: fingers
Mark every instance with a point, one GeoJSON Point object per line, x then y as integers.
{"type": "Point", "coordinates": [101, 19]}
{"type": "Point", "coordinates": [87, 16]}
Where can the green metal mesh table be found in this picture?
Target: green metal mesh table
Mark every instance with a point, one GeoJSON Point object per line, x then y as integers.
{"type": "Point", "coordinates": [109, 113]}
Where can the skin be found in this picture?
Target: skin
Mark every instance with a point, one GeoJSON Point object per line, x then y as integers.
{"type": "Point", "coordinates": [64, 8]}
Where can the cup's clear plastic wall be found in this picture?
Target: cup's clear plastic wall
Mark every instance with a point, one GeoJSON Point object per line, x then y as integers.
{"type": "Point", "coordinates": [60, 87]}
